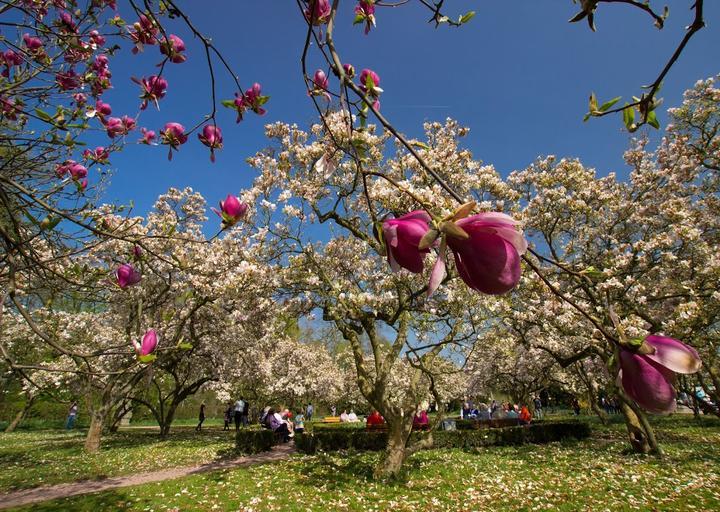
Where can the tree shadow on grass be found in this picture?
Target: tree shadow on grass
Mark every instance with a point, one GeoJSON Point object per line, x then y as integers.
{"type": "Point", "coordinates": [108, 500]}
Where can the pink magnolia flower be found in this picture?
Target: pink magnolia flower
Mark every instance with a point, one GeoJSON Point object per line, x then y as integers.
{"type": "Point", "coordinates": [76, 170]}
{"type": "Point", "coordinates": [402, 238]}
{"type": "Point", "coordinates": [212, 137]}
{"type": "Point", "coordinates": [369, 84]}
{"type": "Point", "coordinates": [148, 345]}
{"type": "Point", "coordinates": [173, 47]}
{"type": "Point", "coordinates": [96, 39]}
{"type": "Point", "coordinates": [99, 154]}
{"type": "Point", "coordinates": [80, 99]}
{"type": "Point", "coordinates": [349, 70]}
{"type": "Point", "coordinates": [231, 210]}
{"type": "Point", "coordinates": [143, 32]}
{"type": "Point", "coordinates": [320, 85]}
{"type": "Point", "coordinates": [148, 136]}
{"type": "Point", "coordinates": [252, 99]}
{"type": "Point", "coordinates": [173, 135]}
{"type": "Point", "coordinates": [10, 59]}
{"type": "Point", "coordinates": [33, 44]}
{"type": "Point", "coordinates": [116, 126]}
{"type": "Point", "coordinates": [127, 276]}
{"type": "Point", "coordinates": [9, 108]}
{"type": "Point", "coordinates": [137, 252]}
{"type": "Point", "coordinates": [153, 89]}
{"type": "Point", "coordinates": [365, 13]}
{"type": "Point", "coordinates": [67, 25]}
{"type": "Point", "coordinates": [68, 80]}
{"type": "Point", "coordinates": [648, 378]}
{"type": "Point", "coordinates": [102, 109]}
{"type": "Point", "coordinates": [320, 11]}
{"type": "Point", "coordinates": [489, 259]}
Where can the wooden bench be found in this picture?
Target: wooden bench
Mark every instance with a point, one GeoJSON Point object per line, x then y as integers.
{"type": "Point", "coordinates": [382, 427]}
{"type": "Point", "coordinates": [331, 419]}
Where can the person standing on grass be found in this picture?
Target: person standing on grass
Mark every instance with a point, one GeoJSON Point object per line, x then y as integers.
{"type": "Point", "coordinates": [201, 418]}
{"type": "Point", "coordinates": [246, 412]}
{"type": "Point", "coordinates": [72, 416]}
{"type": "Point", "coordinates": [309, 411]}
{"type": "Point", "coordinates": [239, 408]}
{"type": "Point", "coordinates": [538, 407]}
{"type": "Point", "coordinates": [228, 416]}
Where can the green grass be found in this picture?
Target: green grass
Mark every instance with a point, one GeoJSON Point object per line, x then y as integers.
{"type": "Point", "coordinates": [590, 475]}
{"type": "Point", "coordinates": [32, 458]}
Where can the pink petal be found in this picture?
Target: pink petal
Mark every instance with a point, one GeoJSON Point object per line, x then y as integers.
{"type": "Point", "coordinates": [149, 342]}
{"type": "Point", "coordinates": [673, 354]}
{"type": "Point", "coordinates": [486, 262]}
{"type": "Point", "coordinates": [647, 382]}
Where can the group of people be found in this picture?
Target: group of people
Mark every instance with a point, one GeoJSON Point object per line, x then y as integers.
{"type": "Point", "coordinates": [239, 412]}
{"type": "Point", "coordinates": [283, 423]}
{"type": "Point", "coordinates": [496, 411]}
{"type": "Point", "coordinates": [610, 405]}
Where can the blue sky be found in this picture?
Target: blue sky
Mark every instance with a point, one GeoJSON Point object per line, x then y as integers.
{"type": "Point", "coordinates": [518, 75]}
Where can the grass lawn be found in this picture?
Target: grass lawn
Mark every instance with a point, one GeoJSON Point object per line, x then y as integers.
{"type": "Point", "coordinates": [33, 458]}
{"type": "Point", "coordinates": [590, 475]}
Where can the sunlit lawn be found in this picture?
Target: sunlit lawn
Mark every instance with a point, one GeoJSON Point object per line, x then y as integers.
{"type": "Point", "coordinates": [32, 458]}
{"type": "Point", "coordinates": [589, 475]}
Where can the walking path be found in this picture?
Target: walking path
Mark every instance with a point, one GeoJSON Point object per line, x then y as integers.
{"type": "Point", "coordinates": [46, 493]}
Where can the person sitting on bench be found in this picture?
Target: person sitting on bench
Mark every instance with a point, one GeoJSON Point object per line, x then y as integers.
{"type": "Point", "coordinates": [375, 419]}
{"type": "Point", "coordinates": [421, 421]}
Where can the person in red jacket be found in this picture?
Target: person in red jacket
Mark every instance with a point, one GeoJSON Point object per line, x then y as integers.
{"type": "Point", "coordinates": [525, 416]}
{"type": "Point", "coordinates": [375, 418]}
{"type": "Point", "coordinates": [421, 420]}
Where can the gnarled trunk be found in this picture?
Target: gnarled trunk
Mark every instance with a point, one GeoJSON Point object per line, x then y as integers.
{"type": "Point", "coordinates": [640, 434]}
{"type": "Point", "coordinates": [168, 419]}
{"type": "Point", "coordinates": [396, 452]}
{"type": "Point", "coordinates": [94, 435]}
{"type": "Point", "coordinates": [19, 416]}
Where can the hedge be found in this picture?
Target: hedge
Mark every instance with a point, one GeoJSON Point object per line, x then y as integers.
{"type": "Point", "coordinates": [329, 440]}
{"type": "Point", "coordinates": [255, 441]}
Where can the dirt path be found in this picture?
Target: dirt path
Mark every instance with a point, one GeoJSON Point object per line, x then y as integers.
{"type": "Point", "coordinates": [51, 492]}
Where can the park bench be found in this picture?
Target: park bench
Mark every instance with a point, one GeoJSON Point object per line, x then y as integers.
{"type": "Point", "coordinates": [382, 427]}
{"type": "Point", "coordinates": [331, 419]}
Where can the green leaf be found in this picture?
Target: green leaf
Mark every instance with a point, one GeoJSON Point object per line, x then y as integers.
{"type": "Point", "coordinates": [359, 18]}
{"type": "Point", "coordinates": [185, 346]}
{"type": "Point", "coordinates": [652, 120]}
{"type": "Point", "coordinates": [466, 17]}
{"type": "Point", "coordinates": [43, 115]}
{"type": "Point", "coordinates": [605, 106]}
{"type": "Point", "coordinates": [49, 222]}
{"type": "Point", "coordinates": [628, 116]}
{"type": "Point", "coordinates": [586, 117]}
{"type": "Point", "coordinates": [420, 145]}
{"type": "Point", "coordinates": [147, 358]}
{"type": "Point", "coordinates": [228, 103]}
{"type": "Point", "coordinates": [635, 342]}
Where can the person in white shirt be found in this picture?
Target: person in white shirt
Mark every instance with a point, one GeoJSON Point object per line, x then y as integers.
{"type": "Point", "coordinates": [352, 417]}
{"type": "Point", "coordinates": [239, 407]}
{"type": "Point", "coordinates": [344, 418]}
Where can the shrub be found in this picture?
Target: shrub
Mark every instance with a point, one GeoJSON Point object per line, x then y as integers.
{"type": "Point", "coordinates": [343, 439]}
{"type": "Point", "coordinates": [254, 441]}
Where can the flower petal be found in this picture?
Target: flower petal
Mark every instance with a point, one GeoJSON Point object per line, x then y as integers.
{"type": "Point", "coordinates": [647, 382]}
{"type": "Point", "coordinates": [438, 271]}
{"type": "Point", "coordinates": [673, 354]}
{"type": "Point", "coordinates": [487, 262]}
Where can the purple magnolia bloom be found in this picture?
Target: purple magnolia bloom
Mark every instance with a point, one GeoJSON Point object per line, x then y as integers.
{"type": "Point", "coordinates": [320, 11]}
{"type": "Point", "coordinates": [148, 345]}
{"type": "Point", "coordinates": [126, 276]}
{"type": "Point", "coordinates": [349, 70]}
{"type": "Point", "coordinates": [153, 89]}
{"type": "Point", "coordinates": [648, 378]}
{"type": "Point", "coordinates": [212, 137]}
{"type": "Point", "coordinates": [402, 238]}
{"type": "Point", "coordinates": [365, 13]}
{"type": "Point", "coordinates": [231, 210]}
{"type": "Point", "coordinates": [489, 259]}
{"type": "Point", "coordinates": [320, 85]}
{"type": "Point", "coordinates": [137, 252]}
{"type": "Point", "coordinates": [173, 47]}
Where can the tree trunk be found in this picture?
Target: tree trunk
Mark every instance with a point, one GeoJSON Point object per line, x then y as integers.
{"type": "Point", "coordinates": [20, 416]}
{"type": "Point", "coordinates": [640, 433]}
{"type": "Point", "coordinates": [92, 441]}
{"type": "Point", "coordinates": [168, 419]}
{"type": "Point", "coordinates": [396, 451]}
{"type": "Point", "coordinates": [597, 409]}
